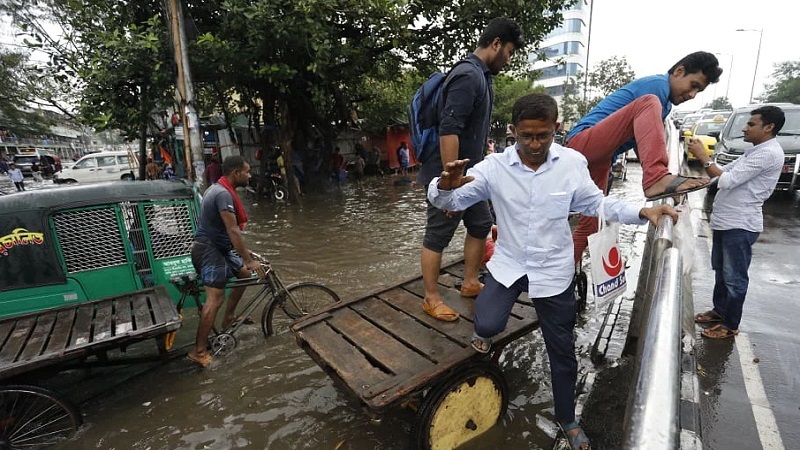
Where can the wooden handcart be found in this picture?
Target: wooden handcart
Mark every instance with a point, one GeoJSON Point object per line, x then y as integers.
{"type": "Point", "coordinates": [32, 416]}
{"type": "Point", "coordinates": [384, 350]}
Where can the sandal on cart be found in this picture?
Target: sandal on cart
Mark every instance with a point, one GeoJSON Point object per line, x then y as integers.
{"type": "Point", "coordinates": [480, 345]}
{"type": "Point", "coordinates": [440, 312]}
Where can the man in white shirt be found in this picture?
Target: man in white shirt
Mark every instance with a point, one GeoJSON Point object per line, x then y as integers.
{"type": "Point", "coordinates": [16, 177]}
{"type": "Point", "coordinates": [533, 186]}
{"type": "Point", "coordinates": [737, 219]}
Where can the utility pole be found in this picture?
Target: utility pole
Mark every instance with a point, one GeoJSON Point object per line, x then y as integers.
{"type": "Point", "coordinates": [191, 126]}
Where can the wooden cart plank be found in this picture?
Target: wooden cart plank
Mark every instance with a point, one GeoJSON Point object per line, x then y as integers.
{"type": "Point", "coordinates": [460, 330]}
{"type": "Point", "coordinates": [379, 345]}
{"type": "Point", "coordinates": [123, 320]}
{"type": "Point", "coordinates": [59, 338]}
{"type": "Point", "coordinates": [82, 328]}
{"type": "Point", "coordinates": [17, 339]}
{"type": "Point", "coordinates": [155, 306]}
{"type": "Point", "coordinates": [456, 270]}
{"type": "Point", "coordinates": [35, 345]}
{"type": "Point", "coordinates": [141, 312]}
{"type": "Point", "coordinates": [5, 330]}
{"type": "Point", "coordinates": [408, 329]}
{"type": "Point", "coordinates": [448, 280]}
{"type": "Point", "coordinates": [101, 328]}
{"type": "Point", "coordinates": [352, 367]}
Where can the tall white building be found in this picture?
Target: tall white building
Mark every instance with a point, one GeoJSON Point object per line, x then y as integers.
{"type": "Point", "coordinates": [565, 49]}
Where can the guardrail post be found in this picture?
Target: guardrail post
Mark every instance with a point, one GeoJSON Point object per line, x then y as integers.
{"type": "Point", "coordinates": [652, 419]}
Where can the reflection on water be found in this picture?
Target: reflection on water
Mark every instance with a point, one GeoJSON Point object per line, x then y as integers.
{"type": "Point", "coordinates": [272, 395]}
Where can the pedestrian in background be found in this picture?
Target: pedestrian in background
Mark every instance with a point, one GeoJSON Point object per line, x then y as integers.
{"type": "Point", "coordinates": [16, 177]}
{"type": "Point", "coordinates": [464, 118]}
{"type": "Point", "coordinates": [737, 218]}
{"type": "Point", "coordinates": [403, 158]}
{"type": "Point", "coordinates": [36, 171]}
{"type": "Point", "coordinates": [213, 170]}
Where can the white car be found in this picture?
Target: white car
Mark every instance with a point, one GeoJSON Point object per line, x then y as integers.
{"type": "Point", "coordinates": [96, 167]}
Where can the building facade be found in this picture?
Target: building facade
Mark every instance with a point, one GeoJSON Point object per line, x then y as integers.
{"type": "Point", "coordinates": [565, 50]}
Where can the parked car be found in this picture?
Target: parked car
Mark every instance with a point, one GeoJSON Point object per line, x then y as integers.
{"type": "Point", "coordinates": [48, 163]}
{"type": "Point", "coordinates": [731, 143]}
{"type": "Point", "coordinates": [707, 131]}
{"type": "Point", "coordinates": [678, 116]}
{"type": "Point", "coordinates": [688, 123]}
{"type": "Point", "coordinates": [716, 115]}
{"type": "Point", "coordinates": [96, 167]}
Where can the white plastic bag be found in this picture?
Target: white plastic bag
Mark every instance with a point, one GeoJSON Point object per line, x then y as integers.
{"type": "Point", "coordinates": [608, 268]}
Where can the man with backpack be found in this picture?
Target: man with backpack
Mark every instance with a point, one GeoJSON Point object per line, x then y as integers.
{"type": "Point", "coordinates": [463, 109]}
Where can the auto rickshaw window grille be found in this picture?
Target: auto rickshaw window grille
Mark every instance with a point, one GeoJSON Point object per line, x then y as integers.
{"type": "Point", "coordinates": [170, 228]}
{"type": "Point", "coordinates": [89, 239]}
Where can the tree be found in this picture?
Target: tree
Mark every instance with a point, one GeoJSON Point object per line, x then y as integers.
{"type": "Point", "coordinates": [720, 103]}
{"type": "Point", "coordinates": [786, 87]}
{"type": "Point", "coordinates": [507, 90]}
{"type": "Point", "coordinates": [610, 75]}
{"type": "Point", "coordinates": [18, 94]}
{"type": "Point", "coordinates": [605, 78]}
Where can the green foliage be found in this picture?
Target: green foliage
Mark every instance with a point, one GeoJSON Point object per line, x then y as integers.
{"type": "Point", "coordinates": [605, 78]}
{"type": "Point", "coordinates": [610, 75]}
{"type": "Point", "coordinates": [720, 103]}
{"type": "Point", "coordinates": [786, 84]}
{"type": "Point", "coordinates": [507, 90]}
{"type": "Point", "coordinates": [18, 94]}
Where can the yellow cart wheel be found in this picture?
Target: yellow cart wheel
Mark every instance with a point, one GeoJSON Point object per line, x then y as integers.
{"type": "Point", "coordinates": [461, 407]}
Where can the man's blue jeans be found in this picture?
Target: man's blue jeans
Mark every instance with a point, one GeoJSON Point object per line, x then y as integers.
{"type": "Point", "coordinates": [731, 253]}
{"type": "Point", "coordinates": [556, 320]}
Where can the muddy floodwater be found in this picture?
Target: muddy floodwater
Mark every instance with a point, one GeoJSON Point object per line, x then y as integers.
{"type": "Point", "coordinates": [269, 393]}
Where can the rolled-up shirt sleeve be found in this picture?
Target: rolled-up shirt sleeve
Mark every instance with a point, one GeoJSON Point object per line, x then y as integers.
{"type": "Point", "coordinates": [459, 101]}
{"type": "Point", "coordinates": [746, 169]}
{"type": "Point", "coordinates": [462, 198]}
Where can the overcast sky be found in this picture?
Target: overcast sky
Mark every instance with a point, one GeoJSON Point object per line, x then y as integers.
{"type": "Point", "coordinates": [653, 35]}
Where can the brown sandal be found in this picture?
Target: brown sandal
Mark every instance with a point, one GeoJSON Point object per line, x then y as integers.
{"type": "Point", "coordinates": [440, 312]}
{"type": "Point", "coordinates": [709, 316]}
{"type": "Point", "coordinates": [203, 360]}
{"type": "Point", "coordinates": [719, 332]}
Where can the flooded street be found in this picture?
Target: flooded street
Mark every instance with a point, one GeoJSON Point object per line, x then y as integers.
{"type": "Point", "coordinates": [270, 394]}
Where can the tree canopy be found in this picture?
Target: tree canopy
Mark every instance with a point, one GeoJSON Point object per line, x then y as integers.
{"type": "Point", "coordinates": [584, 91]}
{"type": "Point", "coordinates": [786, 84]}
{"type": "Point", "coordinates": [720, 103]}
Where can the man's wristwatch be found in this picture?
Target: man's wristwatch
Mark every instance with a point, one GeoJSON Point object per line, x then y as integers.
{"type": "Point", "coordinates": [708, 164]}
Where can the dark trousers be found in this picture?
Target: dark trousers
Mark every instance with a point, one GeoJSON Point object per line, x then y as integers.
{"type": "Point", "coordinates": [556, 320]}
{"type": "Point", "coordinates": [731, 253]}
{"type": "Point", "coordinates": [20, 185]}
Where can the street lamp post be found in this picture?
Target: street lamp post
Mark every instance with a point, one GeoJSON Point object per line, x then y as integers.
{"type": "Point", "coordinates": [730, 74]}
{"type": "Point", "coordinates": [758, 56]}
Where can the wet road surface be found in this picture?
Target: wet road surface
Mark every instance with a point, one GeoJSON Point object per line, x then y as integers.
{"type": "Point", "coordinates": [750, 386]}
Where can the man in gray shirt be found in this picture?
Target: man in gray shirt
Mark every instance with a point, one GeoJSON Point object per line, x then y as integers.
{"type": "Point", "coordinates": [737, 219]}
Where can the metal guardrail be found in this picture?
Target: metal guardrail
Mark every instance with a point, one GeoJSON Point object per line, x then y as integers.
{"type": "Point", "coordinates": [652, 419]}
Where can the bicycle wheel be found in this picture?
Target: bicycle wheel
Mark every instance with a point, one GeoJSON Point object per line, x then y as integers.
{"type": "Point", "coordinates": [32, 417]}
{"type": "Point", "coordinates": [302, 299]}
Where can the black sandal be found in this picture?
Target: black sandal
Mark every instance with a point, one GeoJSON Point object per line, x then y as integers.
{"type": "Point", "coordinates": [672, 188]}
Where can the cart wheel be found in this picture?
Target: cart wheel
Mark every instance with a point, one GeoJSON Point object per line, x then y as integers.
{"type": "Point", "coordinates": [32, 417]}
{"type": "Point", "coordinates": [223, 344]}
{"type": "Point", "coordinates": [302, 299]}
{"type": "Point", "coordinates": [581, 290]}
{"type": "Point", "coordinates": [461, 407]}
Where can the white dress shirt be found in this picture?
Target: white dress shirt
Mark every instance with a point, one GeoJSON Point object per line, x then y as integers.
{"type": "Point", "coordinates": [532, 209]}
{"type": "Point", "coordinates": [744, 186]}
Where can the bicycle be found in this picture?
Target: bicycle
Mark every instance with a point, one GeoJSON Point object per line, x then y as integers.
{"type": "Point", "coordinates": [295, 301]}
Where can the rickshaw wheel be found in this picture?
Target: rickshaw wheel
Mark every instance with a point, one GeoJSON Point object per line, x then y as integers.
{"type": "Point", "coordinates": [281, 193]}
{"type": "Point", "coordinates": [33, 417]}
{"type": "Point", "coordinates": [461, 408]}
{"type": "Point", "coordinates": [223, 344]}
{"type": "Point", "coordinates": [306, 298]}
